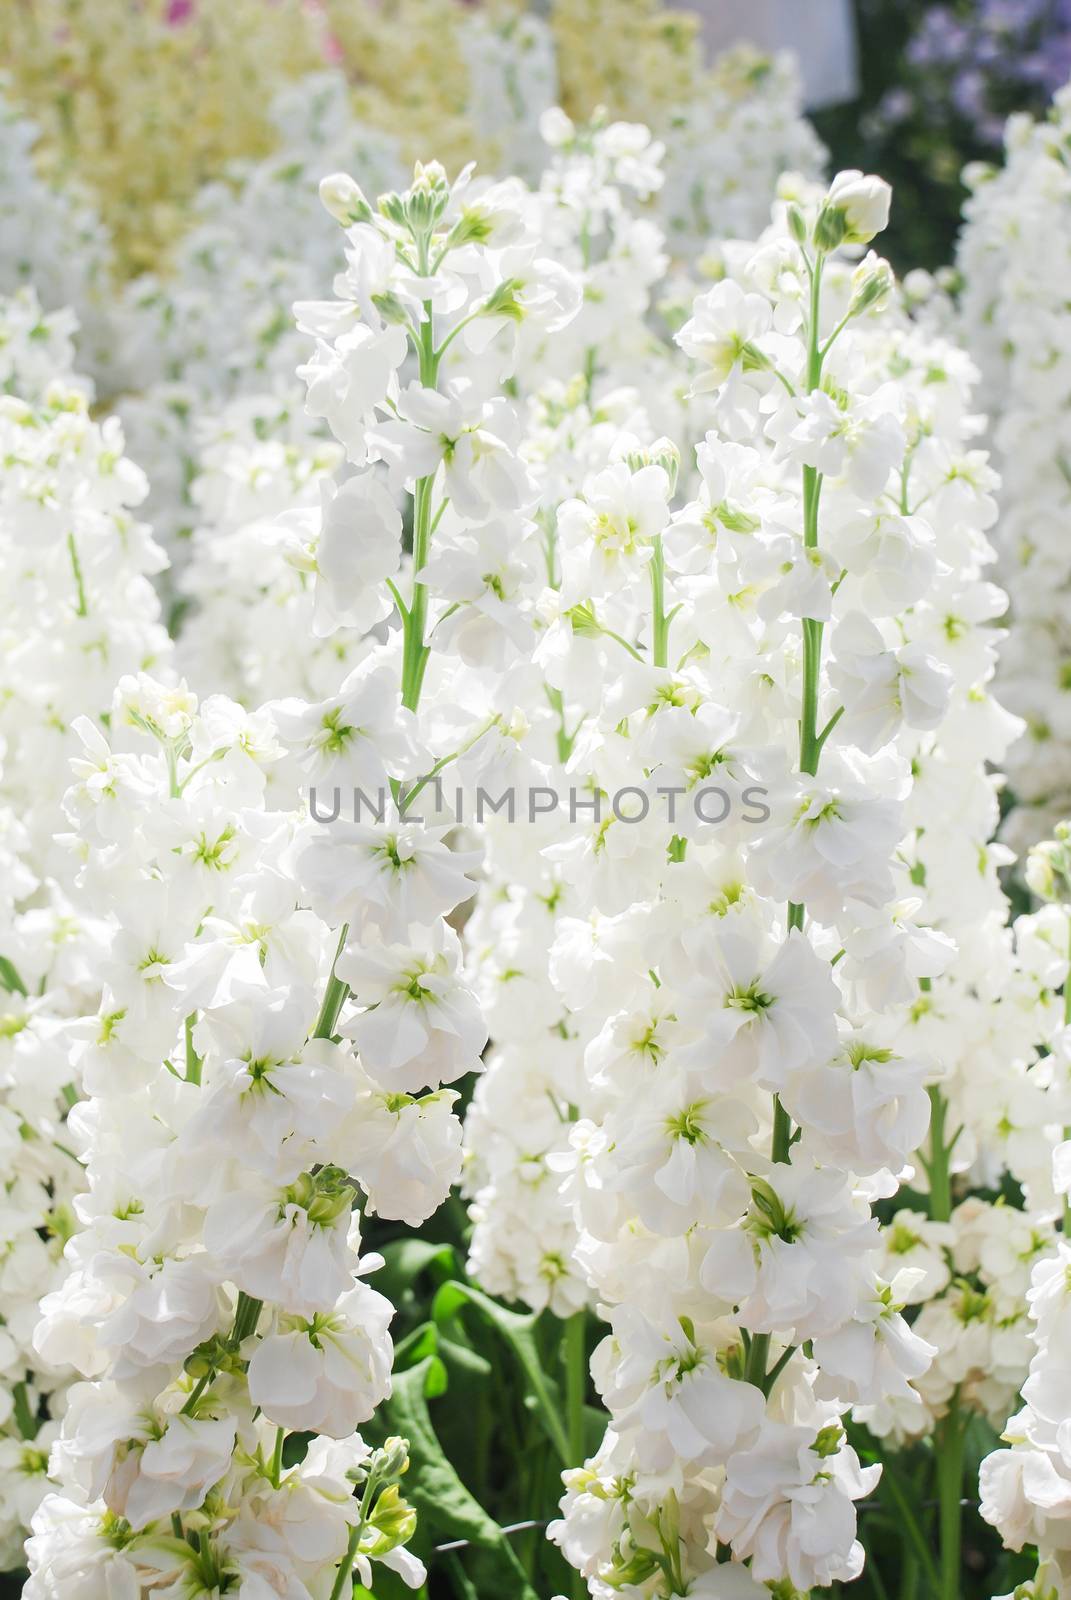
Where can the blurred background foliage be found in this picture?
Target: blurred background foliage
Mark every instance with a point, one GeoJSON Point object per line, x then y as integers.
{"type": "Point", "coordinates": [143, 101]}
{"type": "Point", "coordinates": [938, 81]}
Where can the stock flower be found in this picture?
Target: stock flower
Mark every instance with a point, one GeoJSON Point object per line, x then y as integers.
{"type": "Point", "coordinates": [714, 1044]}
{"type": "Point", "coordinates": [325, 1375]}
{"type": "Point", "coordinates": [788, 1504]}
{"type": "Point", "coordinates": [349, 378]}
{"type": "Point", "coordinates": [721, 332]}
{"type": "Point", "coordinates": [860, 203]}
{"type": "Point", "coordinates": [761, 1017]}
{"type": "Point", "coordinates": [358, 549]}
{"type": "Point", "coordinates": [470, 437]}
{"type": "Point", "coordinates": [384, 876]}
{"type": "Point", "coordinates": [798, 1263]}
{"type": "Point", "coordinates": [608, 533]}
{"type": "Point", "coordinates": [421, 1026]}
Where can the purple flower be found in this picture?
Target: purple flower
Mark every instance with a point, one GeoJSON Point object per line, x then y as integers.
{"type": "Point", "coordinates": [941, 39]}
{"type": "Point", "coordinates": [969, 94]}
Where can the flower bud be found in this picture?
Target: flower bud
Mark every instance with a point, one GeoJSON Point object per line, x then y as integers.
{"type": "Point", "coordinates": [872, 280]}
{"type": "Point", "coordinates": [392, 1522]}
{"type": "Point", "coordinates": [1048, 867]}
{"type": "Point", "coordinates": [392, 1460]}
{"type": "Point", "coordinates": [797, 224]}
{"type": "Point", "coordinates": [391, 308]}
{"type": "Point", "coordinates": [342, 197]}
{"type": "Point", "coordinates": [855, 209]}
{"type": "Point", "coordinates": [503, 302]}
{"type": "Point", "coordinates": [828, 1440]}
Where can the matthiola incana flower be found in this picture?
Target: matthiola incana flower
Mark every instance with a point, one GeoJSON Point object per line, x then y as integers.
{"type": "Point", "coordinates": [219, 1283]}
{"type": "Point", "coordinates": [574, 781]}
{"type": "Point", "coordinates": [743, 1035]}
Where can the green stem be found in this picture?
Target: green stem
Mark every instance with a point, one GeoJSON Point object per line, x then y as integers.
{"type": "Point", "coordinates": [755, 1368]}
{"type": "Point", "coordinates": [660, 633]}
{"type": "Point", "coordinates": [346, 1566]}
{"type": "Point", "coordinates": [193, 1060]}
{"type": "Point", "coordinates": [174, 788]}
{"type": "Point", "coordinates": [938, 1165]}
{"type": "Point", "coordinates": [414, 619]}
{"type": "Point", "coordinates": [948, 1442]}
{"type": "Point", "coordinates": [414, 649]}
{"type": "Point", "coordinates": [782, 1131]}
{"type": "Point", "coordinates": [197, 1391]}
{"type": "Point", "coordinates": [334, 995]}
{"type": "Point", "coordinates": [811, 742]}
{"type": "Point", "coordinates": [246, 1316]}
{"type": "Point", "coordinates": [81, 609]}
{"type": "Point", "coordinates": [575, 1357]}
{"type": "Point", "coordinates": [910, 1525]}
{"type": "Point", "coordinates": [778, 1367]}
{"type": "Point", "coordinates": [277, 1458]}
{"type": "Point", "coordinates": [444, 761]}
{"type": "Point", "coordinates": [563, 738]}
{"type": "Point", "coordinates": [24, 1417]}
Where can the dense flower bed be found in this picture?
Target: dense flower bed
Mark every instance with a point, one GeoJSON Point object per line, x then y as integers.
{"type": "Point", "coordinates": [519, 1070]}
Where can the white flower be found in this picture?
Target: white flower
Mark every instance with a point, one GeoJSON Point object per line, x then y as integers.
{"type": "Point", "coordinates": [176, 1470]}
{"type": "Point", "coordinates": [761, 1016]}
{"type": "Point", "coordinates": [797, 1266]}
{"type": "Point", "coordinates": [73, 1558]}
{"type": "Point", "coordinates": [472, 438]}
{"type": "Point", "coordinates": [720, 333]}
{"type": "Point", "coordinates": [358, 549]}
{"type": "Point", "coordinates": [390, 877]}
{"type": "Point", "coordinates": [873, 1357]}
{"type": "Point", "coordinates": [608, 534]}
{"type": "Point", "coordinates": [326, 1375]}
{"type": "Point", "coordinates": [289, 1246]}
{"type": "Point", "coordinates": [421, 1026]}
{"type": "Point", "coordinates": [865, 1109]}
{"type": "Point", "coordinates": [358, 739]}
{"type": "Point", "coordinates": [788, 1505]}
{"type": "Point", "coordinates": [348, 379]}
{"type": "Point", "coordinates": [665, 1380]}
{"type": "Point", "coordinates": [405, 1152]}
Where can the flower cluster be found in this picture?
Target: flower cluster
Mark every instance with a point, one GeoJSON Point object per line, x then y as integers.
{"type": "Point", "coordinates": [581, 709]}
{"type": "Point", "coordinates": [700, 1154]}
{"type": "Point", "coordinates": [77, 607]}
{"type": "Point", "coordinates": [51, 240]}
{"type": "Point", "coordinates": [215, 1297]}
{"type": "Point", "coordinates": [282, 999]}
{"type": "Point", "coordinates": [1026, 1490]}
{"type": "Point", "coordinates": [973, 64]}
{"type": "Point", "coordinates": [1013, 313]}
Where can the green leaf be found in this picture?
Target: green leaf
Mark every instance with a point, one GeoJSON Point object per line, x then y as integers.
{"type": "Point", "coordinates": [405, 1259]}
{"type": "Point", "coordinates": [416, 1346]}
{"type": "Point", "coordinates": [464, 1588]}
{"type": "Point", "coordinates": [9, 977]}
{"type": "Point", "coordinates": [519, 1332]}
{"type": "Point", "coordinates": [434, 1488]}
{"type": "Point", "coordinates": [460, 1358]}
